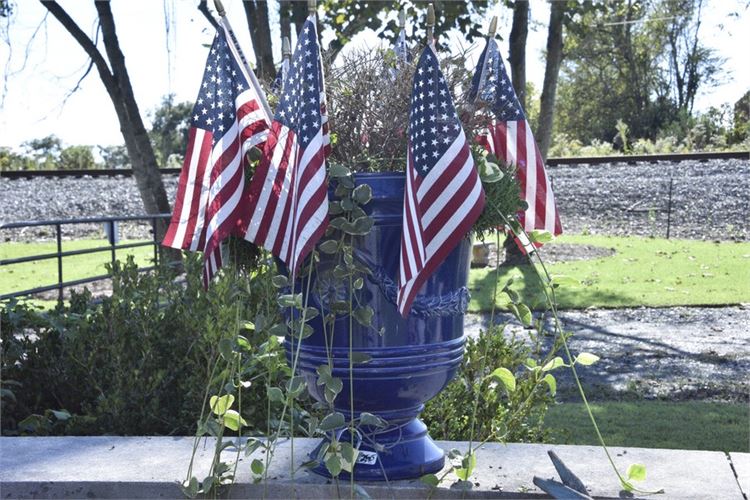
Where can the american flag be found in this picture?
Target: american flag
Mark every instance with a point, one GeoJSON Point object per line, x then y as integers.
{"type": "Point", "coordinates": [288, 209]}
{"type": "Point", "coordinates": [510, 139]}
{"type": "Point", "coordinates": [228, 119]}
{"type": "Point", "coordinates": [443, 195]}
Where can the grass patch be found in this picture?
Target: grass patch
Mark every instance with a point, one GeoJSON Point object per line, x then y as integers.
{"type": "Point", "coordinates": [643, 272]}
{"type": "Point", "coordinates": [690, 425]}
{"type": "Point", "coordinates": [28, 275]}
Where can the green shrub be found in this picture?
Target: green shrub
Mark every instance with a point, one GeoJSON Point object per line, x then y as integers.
{"type": "Point", "coordinates": [137, 363]}
{"type": "Point", "coordinates": [501, 415]}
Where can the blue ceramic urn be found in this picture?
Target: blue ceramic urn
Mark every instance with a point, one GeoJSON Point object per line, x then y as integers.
{"type": "Point", "coordinates": [410, 362]}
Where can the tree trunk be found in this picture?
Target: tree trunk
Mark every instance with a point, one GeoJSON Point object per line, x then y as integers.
{"type": "Point", "coordinates": [517, 58]}
{"type": "Point", "coordinates": [117, 83]}
{"type": "Point", "coordinates": [551, 73]}
{"type": "Point", "coordinates": [256, 12]}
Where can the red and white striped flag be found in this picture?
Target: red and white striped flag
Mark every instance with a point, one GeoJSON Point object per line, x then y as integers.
{"type": "Point", "coordinates": [288, 209]}
{"type": "Point", "coordinates": [443, 196]}
{"type": "Point", "coordinates": [509, 138]}
{"type": "Point", "coordinates": [229, 118]}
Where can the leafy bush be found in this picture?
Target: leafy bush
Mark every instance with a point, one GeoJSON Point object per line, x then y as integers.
{"type": "Point", "coordinates": [501, 415]}
{"type": "Point", "coordinates": [139, 362]}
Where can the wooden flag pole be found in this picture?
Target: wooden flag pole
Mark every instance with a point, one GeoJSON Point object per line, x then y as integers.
{"type": "Point", "coordinates": [402, 19]}
{"type": "Point", "coordinates": [286, 49]}
{"type": "Point", "coordinates": [312, 7]}
{"type": "Point", "coordinates": [493, 27]}
{"type": "Point", "coordinates": [430, 24]}
{"type": "Point", "coordinates": [225, 22]}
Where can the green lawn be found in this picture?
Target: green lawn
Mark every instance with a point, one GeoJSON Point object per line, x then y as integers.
{"type": "Point", "coordinates": [33, 274]}
{"type": "Point", "coordinates": [643, 272]}
{"type": "Point", "coordinates": [691, 425]}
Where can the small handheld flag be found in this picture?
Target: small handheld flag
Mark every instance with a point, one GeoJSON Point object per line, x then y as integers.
{"type": "Point", "coordinates": [229, 118]}
{"type": "Point", "coordinates": [443, 196]}
{"type": "Point", "coordinates": [509, 138]}
{"type": "Point", "coordinates": [288, 209]}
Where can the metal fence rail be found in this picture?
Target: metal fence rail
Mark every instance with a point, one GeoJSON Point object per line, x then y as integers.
{"type": "Point", "coordinates": [111, 225]}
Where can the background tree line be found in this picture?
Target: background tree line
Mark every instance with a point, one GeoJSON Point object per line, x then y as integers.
{"type": "Point", "coordinates": [620, 75]}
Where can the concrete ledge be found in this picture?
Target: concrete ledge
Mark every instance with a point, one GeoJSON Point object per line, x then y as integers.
{"type": "Point", "coordinates": [143, 467]}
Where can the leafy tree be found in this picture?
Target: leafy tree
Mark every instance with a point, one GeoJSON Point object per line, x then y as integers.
{"type": "Point", "coordinates": [45, 151]}
{"type": "Point", "coordinates": [10, 160]}
{"type": "Point", "coordinates": [77, 158]}
{"type": "Point", "coordinates": [114, 156]}
{"type": "Point", "coordinates": [346, 18]}
{"type": "Point", "coordinates": [619, 66]}
{"type": "Point", "coordinates": [169, 131]}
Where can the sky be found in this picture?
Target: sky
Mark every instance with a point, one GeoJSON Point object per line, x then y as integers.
{"type": "Point", "coordinates": [160, 61]}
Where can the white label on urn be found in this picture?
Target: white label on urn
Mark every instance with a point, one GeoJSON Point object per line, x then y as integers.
{"type": "Point", "coordinates": [367, 457]}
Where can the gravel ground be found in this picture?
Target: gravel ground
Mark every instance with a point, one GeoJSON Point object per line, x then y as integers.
{"type": "Point", "coordinates": [710, 200]}
{"type": "Point", "coordinates": [678, 353]}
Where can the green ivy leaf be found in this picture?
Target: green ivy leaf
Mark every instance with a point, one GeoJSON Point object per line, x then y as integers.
{"type": "Point", "coordinates": [360, 358]}
{"type": "Point", "coordinates": [371, 420]}
{"type": "Point", "coordinates": [220, 405]}
{"type": "Point", "coordinates": [551, 382]}
{"type": "Point", "coordinates": [275, 395]}
{"type": "Point", "coordinates": [637, 472]}
{"type": "Point", "coordinates": [552, 364]}
{"type": "Point", "coordinates": [338, 170]}
{"type": "Point", "coordinates": [191, 488]}
{"type": "Point", "coordinates": [280, 281]}
{"type": "Point", "coordinates": [207, 484]}
{"type": "Point", "coordinates": [348, 457]}
{"type": "Point", "coordinates": [233, 420]}
{"type": "Point", "coordinates": [61, 415]}
{"type": "Point", "coordinates": [295, 386]}
{"type": "Point", "coordinates": [225, 349]}
{"type": "Point", "coordinates": [329, 246]}
{"type": "Point", "coordinates": [586, 359]}
{"type": "Point", "coordinates": [540, 236]}
{"type": "Point", "coordinates": [468, 463]}
{"type": "Point", "coordinates": [524, 315]}
{"type": "Point", "coordinates": [332, 421]}
{"type": "Point", "coordinates": [358, 284]}
{"type": "Point", "coordinates": [335, 385]}
{"type": "Point", "coordinates": [506, 377]}
{"type": "Point", "coordinates": [333, 464]}
{"type": "Point", "coordinates": [257, 467]}
{"type": "Point", "coordinates": [364, 315]}
{"type": "Point", "coordinates": [362, 194]}
{"type": "Point", "coordinates": [290, 300]}
{"type": "Point", "coordinates": [334, 208]}
{"type": "Point", "coordinates": [430, 480]}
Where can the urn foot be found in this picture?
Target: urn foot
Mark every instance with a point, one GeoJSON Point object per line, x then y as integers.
{"type": "Point", "coordinates": [405, 451]}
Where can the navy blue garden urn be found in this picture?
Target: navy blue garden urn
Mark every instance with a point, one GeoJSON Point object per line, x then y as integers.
{"type": "Point", "coordinates": [410, 362]}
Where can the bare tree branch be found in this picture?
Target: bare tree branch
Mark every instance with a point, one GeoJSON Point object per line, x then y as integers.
{"type": "Point", "coordinates": [83, 40]}
{"type": "Point", "coordinates": [203, 7]}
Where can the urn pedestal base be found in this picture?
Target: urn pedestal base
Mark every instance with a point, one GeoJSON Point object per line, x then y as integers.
{"type": "Point", "coordinates": [406, 452]}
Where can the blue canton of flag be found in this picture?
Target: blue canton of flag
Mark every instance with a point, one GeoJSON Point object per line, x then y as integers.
{"type": "Point", "coordinates": [289, 207]}
{"type": "Point", "coordinates": [443, 195]}
{"type": "Point", "coordinates": [491, 85]}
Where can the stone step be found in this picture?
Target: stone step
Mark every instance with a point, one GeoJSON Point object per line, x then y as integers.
{"type": "Point", "coordinates": [152, 467]}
